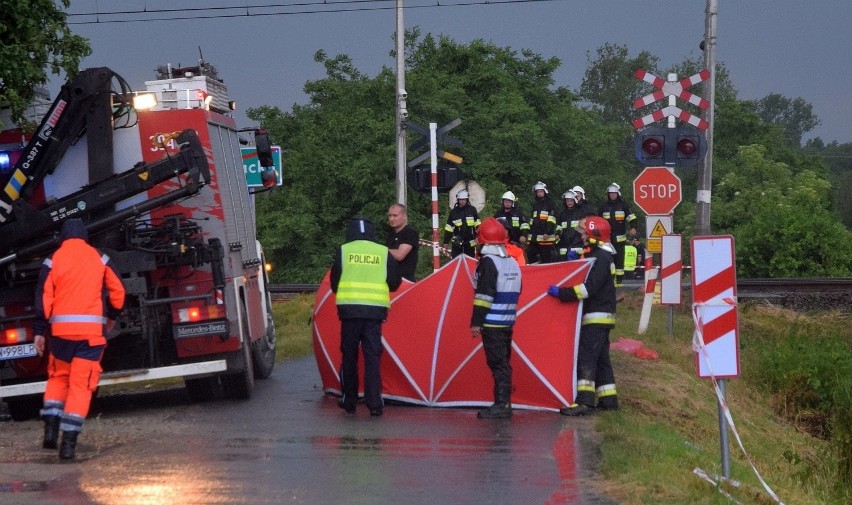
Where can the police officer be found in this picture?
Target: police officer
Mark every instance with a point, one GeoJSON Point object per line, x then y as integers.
{"type": "Point", "coordinates": [542, 247]}
{"type": "Point", "coordinates": [363, 275]}
{"type": "Point", "coordinates": [519, 228]}
{"type": "Point", "coordinates": [570, 241]}
{"type": "Point", "coordinates": [79, 295]}
{"type": "Point", "coordinates": [495, 305]}
{"type": "Point", "coordinates": [461, 226]}
{"type": "Point", "coordinates": [622, 222]}
{"type": "Point", "coordinates": [595, 378]}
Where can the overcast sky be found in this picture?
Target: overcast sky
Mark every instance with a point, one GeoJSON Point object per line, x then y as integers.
{"type": "Point", "coordinates": [798, 48]}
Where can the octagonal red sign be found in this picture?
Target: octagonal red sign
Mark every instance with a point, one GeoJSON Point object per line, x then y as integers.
{"type": "Point", "coordinates": [657, 191]}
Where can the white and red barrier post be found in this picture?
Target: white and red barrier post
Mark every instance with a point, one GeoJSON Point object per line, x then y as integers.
{"type": "Point", "coordinates": [648, 302]}
{"type": "Point", "coordinates": [671, 265]}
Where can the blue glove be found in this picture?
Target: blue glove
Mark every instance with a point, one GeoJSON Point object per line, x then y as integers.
{"type": "Point", "coordinates": [572, 255]}
{"type": "Point", "coordinates": [553, 291]}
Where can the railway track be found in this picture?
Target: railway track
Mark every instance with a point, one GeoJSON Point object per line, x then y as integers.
{"type": "Point", "coordinates": [797, 293]}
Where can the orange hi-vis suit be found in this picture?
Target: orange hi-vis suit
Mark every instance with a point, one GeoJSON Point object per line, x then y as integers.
{"type": "Point", "coordinates": [78, 291]}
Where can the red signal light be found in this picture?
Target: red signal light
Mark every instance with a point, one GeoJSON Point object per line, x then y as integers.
{"type": "Point", "coordinates": [652, 147]}
{"type": "Point", "coordinates": [686, 148]}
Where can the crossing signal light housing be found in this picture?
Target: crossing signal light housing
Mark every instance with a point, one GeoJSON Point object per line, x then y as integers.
{"type": "Point", "coordinates": [420, 178]}
{"type": "Point", "coordinates": [684, 146]}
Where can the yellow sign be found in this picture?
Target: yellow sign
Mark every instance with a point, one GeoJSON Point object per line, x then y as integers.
{"type": "Point", "coordinates": [659, 230]}
{"type": "Point", "coordinates": [657, 226]}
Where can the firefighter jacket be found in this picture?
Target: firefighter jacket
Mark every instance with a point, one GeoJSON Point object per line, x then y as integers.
{"type": "Point", "coordinates": [598, 292]}
{"type": "Point", "coordinates": [569, 238]}
{"type": "Point", "coordinates": [78, 289]}
{"type": "Point", "coordinates": [363, 274]}
{"type": "Point", "coordinates": [498, 287]}
{"type": "Point", "coordinates": [620, 218]}
{"type": "Point", "coordinates": [543, 222]}
{"type": "Point", "coordinates": [518, 225]}
{"type": "Point", "coordinates": [462, 225]}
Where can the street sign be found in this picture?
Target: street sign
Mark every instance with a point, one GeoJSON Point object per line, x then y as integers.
{"type": "Point", "coordinates": [714, 306]}
{"type": "Point", "coordinates": [671, 89]}
{"type": "Point", "coordinates": [671, 266]}
{"type": "Point", "coordinates": [657, 190]}
{"type": "Point", "coordinates": [655, 228]}
{"type": "Point", "coordinates": [252, 168]}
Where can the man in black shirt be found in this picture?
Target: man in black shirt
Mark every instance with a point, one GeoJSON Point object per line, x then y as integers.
{"type": "Point", "coordinates": [402, 241]}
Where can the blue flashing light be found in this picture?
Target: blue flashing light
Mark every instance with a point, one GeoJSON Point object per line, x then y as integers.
{"type": "Point", "coordinates": [5, 162]}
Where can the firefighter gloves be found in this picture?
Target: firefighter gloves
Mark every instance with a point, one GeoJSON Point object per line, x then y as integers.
{"type": "Point", "coordinates": [553, 291]}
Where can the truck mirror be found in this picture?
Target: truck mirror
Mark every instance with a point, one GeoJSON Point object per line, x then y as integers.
{"type": "Point", "coordinates": [264, 149]}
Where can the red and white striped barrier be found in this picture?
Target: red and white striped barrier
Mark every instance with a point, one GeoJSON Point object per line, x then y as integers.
{"type": "Point", "coordinates": [671, 266]}
{"type": "Point", "coordinates": [648, 302]}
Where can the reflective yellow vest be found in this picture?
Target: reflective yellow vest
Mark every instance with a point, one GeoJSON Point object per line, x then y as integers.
{"type": "Point", "coordinates": [364, 274]}
{"type": "Point", "coordinates": [630, 255]}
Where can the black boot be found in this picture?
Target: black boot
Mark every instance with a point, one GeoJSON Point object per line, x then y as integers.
{"type": "Point", "coordinates": [69, 444]}
{"type": "Point", "coordinates": [496, 411]}
{"type": "Point", "coordinates": [502, 407]}
{"type": "Point", "coordinates": [51, 432]}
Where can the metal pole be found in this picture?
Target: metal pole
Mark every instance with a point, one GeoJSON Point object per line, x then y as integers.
{"type": "Point", "coordinates": [401, 110]}
{"type": "Point", "coordinates": [705, 170]}
{"type": "Point", "coordinates": [433, 164]}
{"type": "Point", "coordinates": [723, 433]}
{"type": "Point", "coordinates": [705, 184]}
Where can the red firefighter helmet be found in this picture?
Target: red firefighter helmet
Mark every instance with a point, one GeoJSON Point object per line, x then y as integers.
{"type": "Point", "coordinates": [492, 232]}
{"type": "Point", "coordinates": [597, 229]}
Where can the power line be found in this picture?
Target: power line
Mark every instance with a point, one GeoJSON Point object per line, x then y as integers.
{"type": "Point", "coordinates": [310, 8]}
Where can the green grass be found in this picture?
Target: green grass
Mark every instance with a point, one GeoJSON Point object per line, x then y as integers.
{"type": "Point", "coordinates": [668, 424]}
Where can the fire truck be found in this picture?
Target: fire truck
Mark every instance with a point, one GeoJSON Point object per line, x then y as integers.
{"type": "Point", "coordinates": [163, 193]}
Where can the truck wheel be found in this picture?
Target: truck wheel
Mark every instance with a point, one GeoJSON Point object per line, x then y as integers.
{"type": "Point", "coordinates": [263, 351]}
{"type": "Point", "coordinates": [240, 385]}
{"type": "Point", "coordinates": [24, 408]}
{"type": "Point", "coordinates": [201, 389]}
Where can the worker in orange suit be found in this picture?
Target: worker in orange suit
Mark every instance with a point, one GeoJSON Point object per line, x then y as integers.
{"type": "Point", "coordinates": [79, 296]}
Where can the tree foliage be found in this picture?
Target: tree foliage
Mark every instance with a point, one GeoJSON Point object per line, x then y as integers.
{"type": "Point", "coordinates": [795, 116]}
{"type": "Point", "coordinates": [34, 37]}
{"type": "Point", "coordinates": [518, 127]}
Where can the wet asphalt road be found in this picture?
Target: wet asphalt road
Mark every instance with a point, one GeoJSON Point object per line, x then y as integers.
{"type": "Point", "coordinates": [292, 444]}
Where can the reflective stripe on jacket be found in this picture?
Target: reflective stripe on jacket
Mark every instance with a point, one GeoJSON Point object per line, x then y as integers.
{"type": "Point", "coordinates": [363, 277]}
{"type": "Point", "coordinates": [78, 289]}
{"type": "Point", "coordinates": [498, 287]}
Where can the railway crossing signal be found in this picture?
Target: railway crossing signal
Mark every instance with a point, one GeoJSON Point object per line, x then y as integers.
{"type": "Point", "coordinates": [448, 172]}
{"type": "Point", "coordinates": [682, 147]}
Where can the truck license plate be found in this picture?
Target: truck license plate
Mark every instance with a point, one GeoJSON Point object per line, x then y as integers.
{"type": "Point", "coordinates": [17, 351]}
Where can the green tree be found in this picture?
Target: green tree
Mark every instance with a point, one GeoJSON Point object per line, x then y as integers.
{"type": "Point", "coordinates": [610, 85]}
{"type": "Point", "coordinates": [34, 36]}
{"type": "Point", "coordinates": [780, 218]}
{"type": "Point", "coordinates": [794, 116]}
{"type": "Point", "coordinates": [517, 128]}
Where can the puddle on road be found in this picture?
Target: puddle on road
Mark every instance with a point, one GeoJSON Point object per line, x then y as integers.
{"type": "Point", "coordinates": [23, 486]}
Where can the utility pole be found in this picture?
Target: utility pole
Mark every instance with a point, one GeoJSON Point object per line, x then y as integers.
{"type": "Point", "coordinates": [401, 108]}
{"type": "Point", "coordinates": [705, 171]}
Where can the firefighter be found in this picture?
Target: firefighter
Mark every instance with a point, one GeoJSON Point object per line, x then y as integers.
{"type": "Point", "coordinates": [363, 275]}
{"type": "Point", "coordinates": [595, 378]}
{"type": "Point", "coordinates": [519, 228]}
{"type": "Point", "coordinates": [514, 250]}
{"type": "Point", "coordinates": [542, 246]}
{"type": "Point", "coordinates": [570, 242]}
{"type": "Point", "coordinates": [495, 302]}
{"type": "Point", "coordinates": [622, 222]}
{"type": "Point", "coordinates": [461, 226]}
{"type": "Point", "coordinates": [584, 206]}
{"type": "Point", "coordinates": [79, 295]}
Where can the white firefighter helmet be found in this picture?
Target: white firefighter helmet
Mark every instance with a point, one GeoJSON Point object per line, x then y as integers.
{"type": "Point", "coordinates": [579, 189]}
{"type": "Point", "coordinates": [569, 194]}
{"type": "Point", "coordinates": [508, 195]}
{"type": "Point", "coordinates": [540, 185]}
{"type": "Point", "coordinates": [614, 188]}
{"type": "Point", "coordinates": [463, 195]}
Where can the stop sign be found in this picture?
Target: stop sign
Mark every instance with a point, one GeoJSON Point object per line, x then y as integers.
{"type": "Point", "coordinates": [657, 191]}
